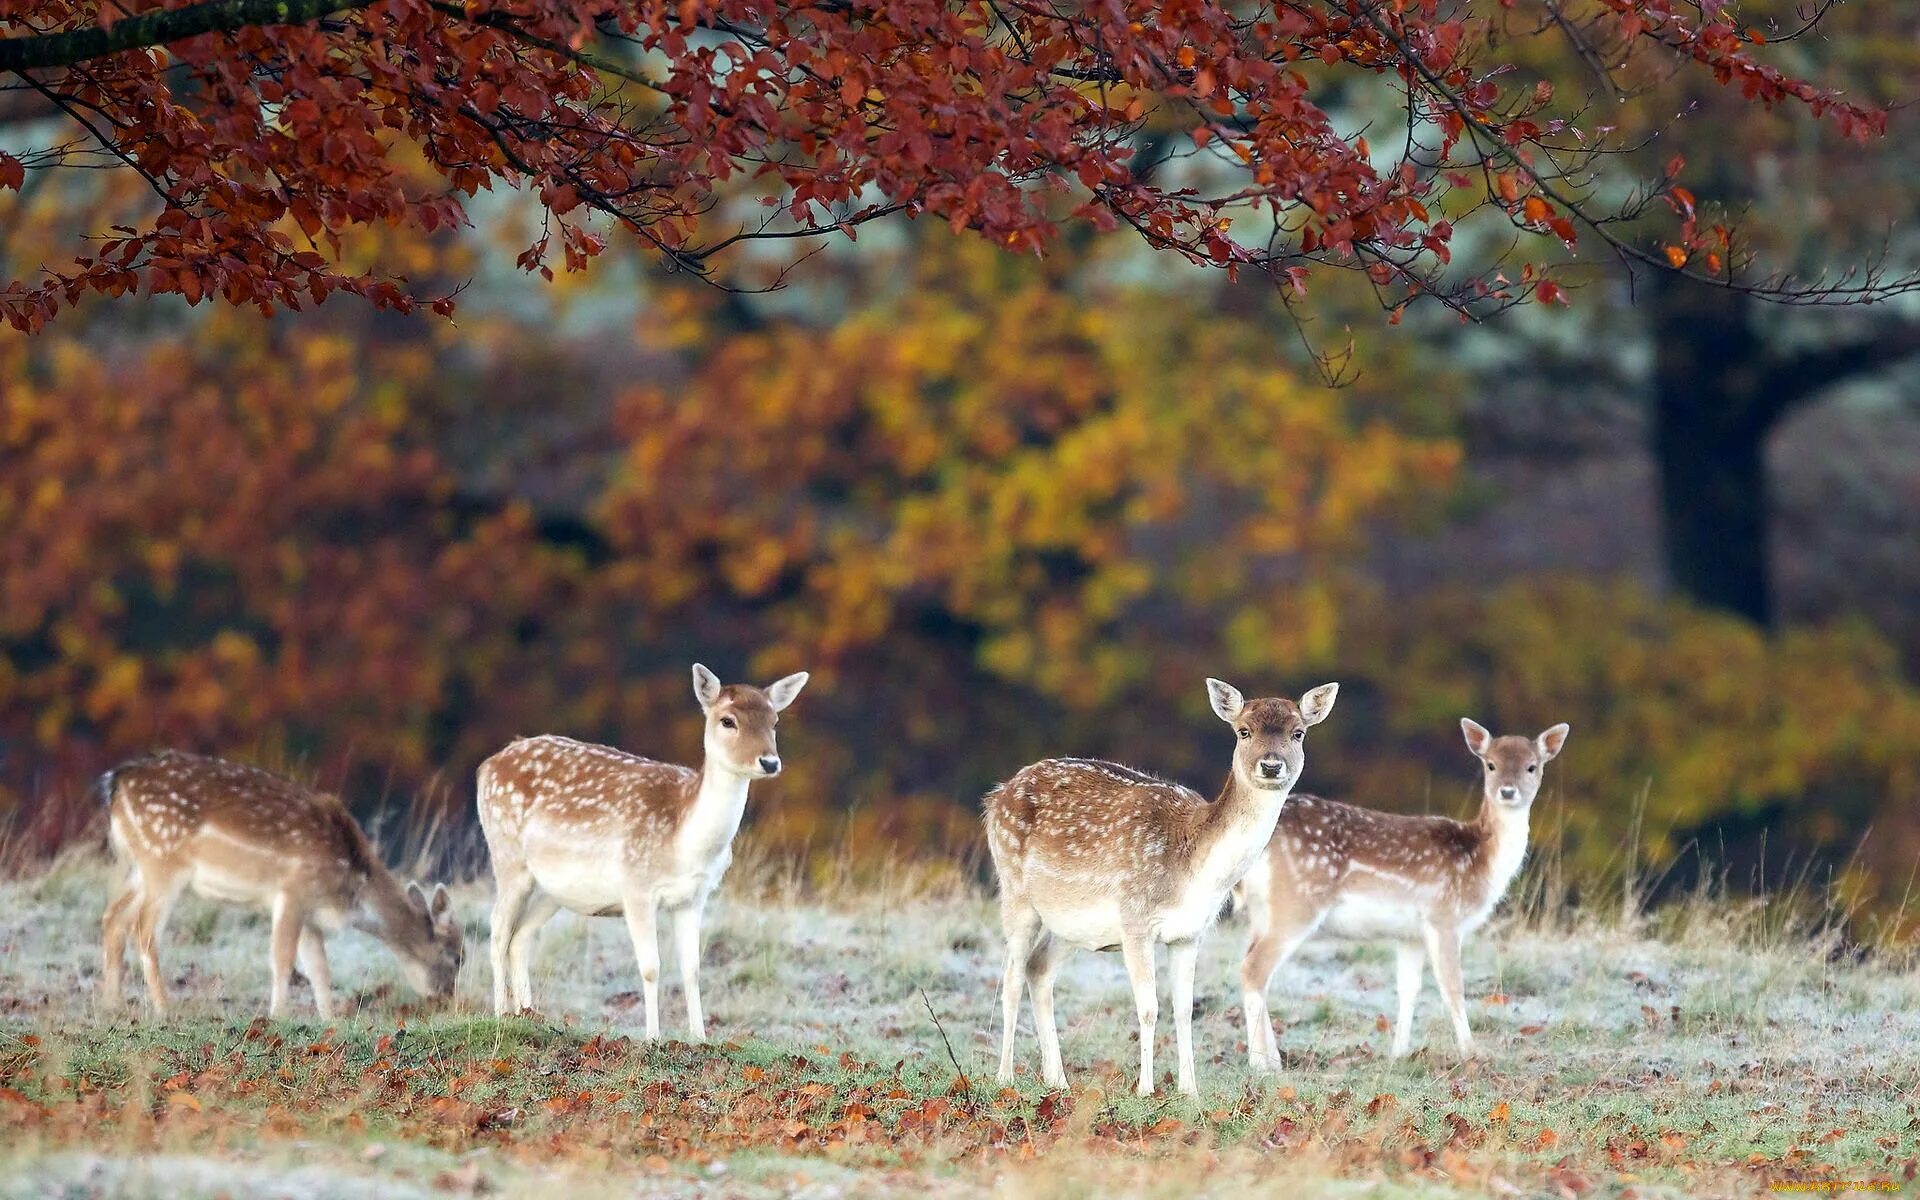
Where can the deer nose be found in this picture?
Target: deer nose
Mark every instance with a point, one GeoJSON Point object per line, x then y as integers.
{"type": "Point", "coordinates": [770, 763]}
{"type": "Point", "coordinates": [1509, 792]}
{"type": "Point", "coordinates": [1272, 768]}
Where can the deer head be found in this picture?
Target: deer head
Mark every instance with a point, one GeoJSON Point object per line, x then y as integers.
{"type": "Point", "coordinates": [1272, 733]}
{"type": "Point", "coordinates": [431, 953]}
{"type": "Point", "coordinates": [1514, 765]}
{"type": "Point", "coordinates": [740, 721]}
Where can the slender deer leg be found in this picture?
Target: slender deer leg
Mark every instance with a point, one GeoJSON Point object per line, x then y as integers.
{"type": "Point", "coordinates": [157, 900]}
{"type": "Point", "coordinates": [646, 948]}
{"type": "Point", "coordinates": [686, 949]}
{"type": "Point", "coordinates": [313, 964]}
{"type": "Point", "coordinates": [1271, 947]}
{"type": "Point", "coordinates": [512, 889]}
{"type": "Point", "coordinates": [533, 915]}
{"type": "Point", "coordinates": [1408, 961]}
{"type": "Point", "coordinates": [1042, 965]}
{"type": "Point", "coordinates": [1181, 957]}
{"type": "Point", "coordinates": [1136, 946]}
{"type": "Point", "coordinates": [283, 946]}
{"type": "Point", "coordinates": [113, 936]}
{"type": "Point", "coordinates": [1443, 946]}
{"type": "Point", "coordinates": [1022, 926]}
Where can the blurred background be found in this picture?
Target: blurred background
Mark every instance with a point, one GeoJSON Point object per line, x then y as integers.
{"type": "Point", "coordinates": [1004, 508]}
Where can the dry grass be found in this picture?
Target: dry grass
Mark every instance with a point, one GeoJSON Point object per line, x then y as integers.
{"type": "Point", "coordinates": [1707, 1048]}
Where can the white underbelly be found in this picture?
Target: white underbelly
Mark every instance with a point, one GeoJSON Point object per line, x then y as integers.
{"type": "Point", "coordinates": [1362, 917]}
{"type": "Point", "coordinates": [599, 888]}
{"type": "Point", "coordinates": [588, 886]}
{"type": "Point", "coordinates": [216, 884]}
{"type": "Point", "coordinates": [1091, 926]}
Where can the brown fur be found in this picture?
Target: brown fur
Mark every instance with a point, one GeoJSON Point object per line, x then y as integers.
{"type": "Point", "coordinates": [245, 835]}
{"type": "Point", "coordinates": [1422, 882]}
{"type": "Point", "coordinates": [1100, 855]}
{"type": "Point", "coordinates": [606, 833]}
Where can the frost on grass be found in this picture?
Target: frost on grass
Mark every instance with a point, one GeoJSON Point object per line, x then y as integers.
{"type": "Point", "coordinates": [1716, 1063]}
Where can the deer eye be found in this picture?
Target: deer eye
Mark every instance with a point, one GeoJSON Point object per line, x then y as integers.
{"type": "Point", "coordinates": [1489, 766]}
{"type": "Point", "coordinates": [1299, 735]}
{"type": "Point", "coordinates": [1245, 733]}
{"type": "Point", "coordinates": [727, 723]}
{"type": "Point", "coordinates": [1532, 767]}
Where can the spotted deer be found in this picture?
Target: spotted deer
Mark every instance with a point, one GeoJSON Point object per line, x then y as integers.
{"type": "Point", "coordinates": [606, 833]}
{"type": "Point", "coordinates": [242, 835]}
{"type": "Point", "coordinates": [1096, 855]}
{"type": "Point", "coordinates": [1423, 883]}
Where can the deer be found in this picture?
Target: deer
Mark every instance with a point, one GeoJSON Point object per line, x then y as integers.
{"type": "Point", "coordinates": [242, 835]}
{"type": "Point", "coordinates": [1095, 855]}
{"type": "Point", "coordinates": [602, 832]}
{"type": "Point", "coordinates": [1423, 883]}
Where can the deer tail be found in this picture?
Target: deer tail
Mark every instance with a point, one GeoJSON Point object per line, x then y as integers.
{"type": "Point", "coordinates": [103, 786]}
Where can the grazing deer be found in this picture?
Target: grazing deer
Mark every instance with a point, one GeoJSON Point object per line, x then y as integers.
{"type": "Point", "coordinates": [606, 833]}
{"type": "Point", "coordinates": [1423, 883]}
{"type": "Point", "coordinates": [1097, 855]}
{"type": "Point", "coordinates": [246, 836]}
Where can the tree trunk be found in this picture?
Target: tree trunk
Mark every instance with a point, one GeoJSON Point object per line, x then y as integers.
{"type": "Point", "coordinates": [1712, 414]}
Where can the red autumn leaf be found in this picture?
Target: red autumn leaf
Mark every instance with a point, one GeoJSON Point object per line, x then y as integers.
{"type": "Point", "coordinates": [840, 118]}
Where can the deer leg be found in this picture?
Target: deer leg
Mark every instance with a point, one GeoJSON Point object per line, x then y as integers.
{"type": "Point", "coordinates": [512, 890]}
{"type": "Point", "coordinates": [646, 948]}
{"type": "Point", "coordinates": [1136, 946]}
{"type": "Point", "coordinates": [686, 950]}
{"type": "Point", "coordinates": [156, 904]}
{"type": "Point", "coordinates": [1443, 946]}
{"type": "Point", "coordinates": [1022, 927]}
{"type": "Point", "coordinates": [535, 914]}
{"type": "Point", "coordinates": [313, 964]}
{"type": "Point", "coordinates": [114, 928]}
{"type": "Point", "coordinates": [282, 947]}
{"type": "Point", "coordinates": [1272, 945]}
{"type": "Point", "coordinates": [1181, 957]}
{"type": "Point", "coordinates": [1042, 965]}
{"type": "Point", "coordinates": [1408, 961]}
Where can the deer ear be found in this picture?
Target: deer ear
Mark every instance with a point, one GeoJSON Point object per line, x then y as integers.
{"type": "Point", "coordinates": [1549, 743]}
{"type": "Point", "coordinates": [706, 686]}
{"type": "Point", "coordinates": [782, 692]}
{"type": "Point", "coordinates": [1476, 735]}
{"type": "Point", "coordinates": [1316, 704]}
{"type": "Point", "coordinates": [416, 895]}
{"type": "Point", "coordinates": [1226, 700]}
{"type": "Point", "coordinates": [442, 901]}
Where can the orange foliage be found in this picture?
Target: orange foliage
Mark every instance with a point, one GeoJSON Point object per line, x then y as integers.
{"type": "Point", "coordinates": [242, 542]}
{"type": "Point", "coordinates": [1002, 509]}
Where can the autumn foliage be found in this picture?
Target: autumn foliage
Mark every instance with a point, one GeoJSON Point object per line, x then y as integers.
{"type": "Point", "coordinates": [1000, 508]}
{"type": "Point", "coordinates": [264, 133]}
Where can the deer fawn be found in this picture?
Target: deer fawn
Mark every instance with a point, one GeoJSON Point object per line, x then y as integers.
{"type": "Point", "coordinates": [1098, 855]}
{"type": "Point", "coordinates": [1423, 883]}
{"type": "Point", "coordinates": [247, 836]}
{"type": "Point", "coordinates": [606, 833]}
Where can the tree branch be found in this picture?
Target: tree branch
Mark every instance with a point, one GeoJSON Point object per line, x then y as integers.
{"type": "Point", "coordinates": [161, 26]}
{"type": "Point", "coordinates": [1798, 378]}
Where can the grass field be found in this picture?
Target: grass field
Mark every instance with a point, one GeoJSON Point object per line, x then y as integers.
{"type": "Point", "coordinates": [1699, 1053]}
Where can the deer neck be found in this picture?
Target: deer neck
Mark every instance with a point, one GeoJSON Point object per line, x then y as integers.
{"type": "Point", "coordinates": [713, 817]}
{"type": "Point", "coordinates": [1235, 829]}
{"type": "Point", "coordinates": [1503, 841]}
{"type": "Point", "coordinates": [384, 911]}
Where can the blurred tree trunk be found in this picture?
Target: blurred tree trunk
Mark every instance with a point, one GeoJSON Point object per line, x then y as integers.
{"type": "Point", "coordinates": [1710, 425]}
{"type": "Point", "coordinates": [1719, 391]}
